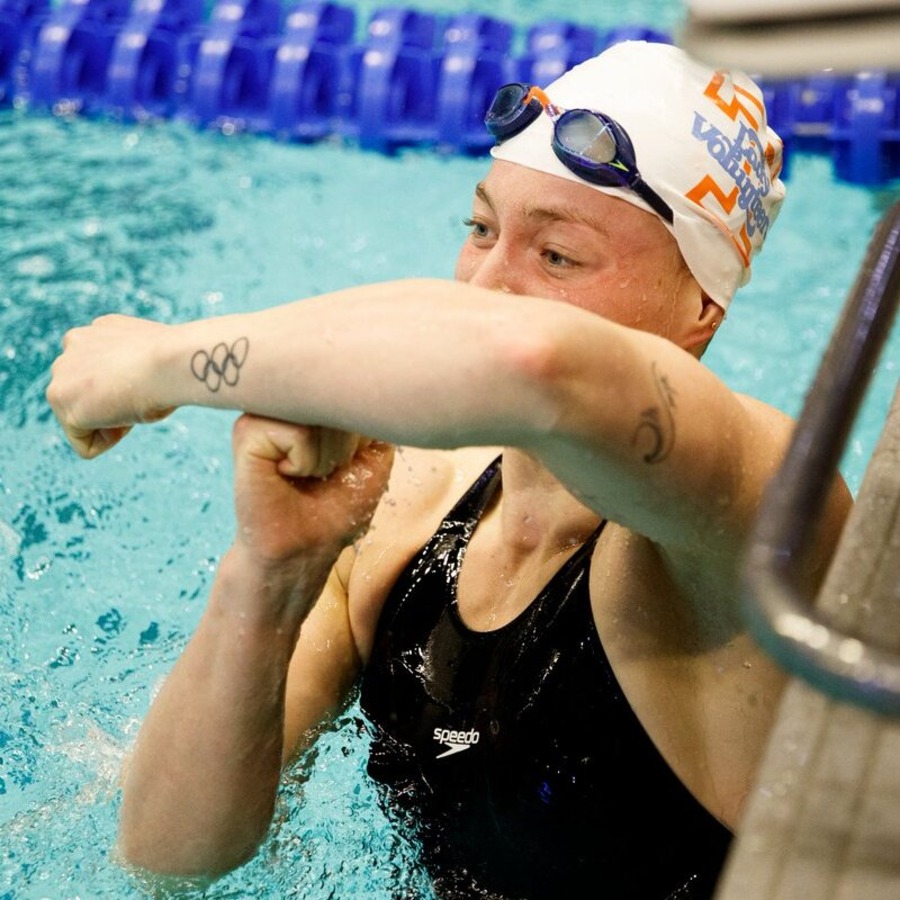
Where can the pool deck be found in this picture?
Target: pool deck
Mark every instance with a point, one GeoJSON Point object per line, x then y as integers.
{"type": "Point", "coordinates": [823, 821]}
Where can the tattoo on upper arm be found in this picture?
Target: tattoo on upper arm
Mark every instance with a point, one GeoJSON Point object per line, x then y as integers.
{"type": "Point", "coordinates": [223, 364]}
{"type": "Point", "coordinates": [658, 422]}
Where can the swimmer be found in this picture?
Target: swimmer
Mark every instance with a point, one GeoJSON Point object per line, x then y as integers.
{"type": "Point", "coordinates": [541, 612]}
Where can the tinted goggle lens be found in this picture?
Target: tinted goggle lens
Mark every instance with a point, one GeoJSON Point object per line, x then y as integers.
{"type": "Point", "coordinates": [587, 137]}
{"type": "Point", "coordinates": [511, 110]}
{"type": "Point", "coordinates": [591, 141]}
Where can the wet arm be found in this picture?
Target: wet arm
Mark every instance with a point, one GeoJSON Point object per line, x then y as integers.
{"type": "Point", "coordinates": [199, 789]}
{"type": "Point", "coordinates": [409, 359]}
{"type": "Point", "coordinates": [272, 656]}
{"type": "Point", "coordinates": [425, 363]}
{"type": "Point", "coordinates": [634, 425]}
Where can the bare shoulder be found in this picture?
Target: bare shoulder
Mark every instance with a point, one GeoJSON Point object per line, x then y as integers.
{"type": "Point", "coordinates": [424, 485]}
{"type": "Point", "coordinates": [779, 429]}
{"type": "Point", "coordinates": [766, 434]}
{"type": "Point", "coordinates": [707, 563]}
{"type": "Point", "coordinates": [777, 424]}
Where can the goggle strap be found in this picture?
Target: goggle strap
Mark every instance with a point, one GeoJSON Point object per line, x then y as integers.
{"type": "Point", "coordinates": [537, 94]}
{"type": "Point", "coordinates": [649, 196]}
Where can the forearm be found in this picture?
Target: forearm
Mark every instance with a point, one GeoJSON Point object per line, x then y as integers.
{"type": "Point", "coordinates": [199, 789]}
{"type": "Point", "coordinates": [443, 365]}
{"type": "Point", "coordinates": [428, 363]}
{"type": "Point", "coordinates": [412, 362]}
{"type": "Point", "coordinates": [610, 410]}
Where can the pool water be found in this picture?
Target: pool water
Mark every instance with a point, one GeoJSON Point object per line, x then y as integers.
{"type": "Point", "coordinates": [104, 566]}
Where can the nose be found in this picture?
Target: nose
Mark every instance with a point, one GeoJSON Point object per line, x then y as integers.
{"type": "Point", "coordinates": [495, 269]}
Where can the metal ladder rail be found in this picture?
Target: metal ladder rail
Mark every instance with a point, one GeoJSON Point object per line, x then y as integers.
{"type": "Point", "coordinates": [782, 619]}
{"type": "Point", "coordinates": [823, 819]}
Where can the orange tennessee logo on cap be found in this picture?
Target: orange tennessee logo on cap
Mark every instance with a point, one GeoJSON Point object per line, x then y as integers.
{"type": "Point", "coordinates": [743, 163]}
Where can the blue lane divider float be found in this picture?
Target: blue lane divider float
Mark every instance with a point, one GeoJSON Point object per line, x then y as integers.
{"type": "Point", "coordinates": [475, 62]}
{"type": "Point", "coordinates": [395, 80]}
{"type": "Point", "coordinates": [310, 87]}
{"type": "Point", "coordinates": [301, 73]}
{"type": "Point", "coordinates": [72, 50]}
{"type": "Point", "coordinates": [20, 20]}
{"type": "Point", "coordinates": [853, 118]}
{"type": "Point", "coordinates": [142, 77]}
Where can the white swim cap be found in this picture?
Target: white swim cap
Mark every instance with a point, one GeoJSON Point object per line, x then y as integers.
{"type": "Point", "coordinates": [701, 142]}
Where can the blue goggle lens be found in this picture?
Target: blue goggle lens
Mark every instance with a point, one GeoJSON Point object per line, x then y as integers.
{"type": "Point", "coordinates": [592, 141]}
{"type": "Point", "coordinates": [587, 137]}
{"type": "Point", "coordinates": [509, 113]}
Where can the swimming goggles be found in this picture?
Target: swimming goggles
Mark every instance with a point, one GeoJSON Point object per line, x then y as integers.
{"type": "Point", "coordinates": [588, 143]}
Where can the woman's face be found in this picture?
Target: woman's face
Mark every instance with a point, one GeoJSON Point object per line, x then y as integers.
{"type": "Point", "coordinates": [539, 235]}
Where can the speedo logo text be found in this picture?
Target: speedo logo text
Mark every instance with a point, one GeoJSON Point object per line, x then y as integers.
{"type": "Point", "coordinates": [455, 741]}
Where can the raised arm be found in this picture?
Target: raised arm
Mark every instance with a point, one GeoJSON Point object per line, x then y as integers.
{"type": "Point", "coordinates": [634, 425]}
{"type": "Point", "coordinates": [404, 357]}
{"type": "Point", "coordinates": [199, 789]}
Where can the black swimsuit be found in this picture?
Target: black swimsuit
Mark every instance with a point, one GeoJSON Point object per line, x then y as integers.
{"type": "Point", "coordinates": [515, 751]}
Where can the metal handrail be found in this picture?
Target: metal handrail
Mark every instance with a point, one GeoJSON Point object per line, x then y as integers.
{"type": "Point", "coordinates": [783, 620]}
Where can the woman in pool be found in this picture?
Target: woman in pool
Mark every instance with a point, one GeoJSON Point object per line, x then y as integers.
{"type": "Point", "coordinates": [561, 688]}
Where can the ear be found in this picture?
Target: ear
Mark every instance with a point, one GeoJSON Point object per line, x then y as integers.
{"type": "Point", "coordinates": [704, 321]}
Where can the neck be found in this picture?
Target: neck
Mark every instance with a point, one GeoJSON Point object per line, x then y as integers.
{"type": "Point", "coordinates": [537, 511]}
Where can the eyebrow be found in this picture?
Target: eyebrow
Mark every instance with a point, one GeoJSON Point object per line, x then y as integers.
{"type": "Point", "coordinates": [562, 213]}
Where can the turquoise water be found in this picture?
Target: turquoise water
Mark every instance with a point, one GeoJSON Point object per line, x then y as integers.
{"type": "Point", "coordinates": [104, 566]}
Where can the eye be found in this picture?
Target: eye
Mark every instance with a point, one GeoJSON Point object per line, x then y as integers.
{"type": "Point", "coordinates": [558, 260]}
{"type": "Point", "coordinates": [477, 229]}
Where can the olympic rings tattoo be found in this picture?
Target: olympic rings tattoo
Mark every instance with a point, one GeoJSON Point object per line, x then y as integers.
{"type": "Point", "coordinates": [222, 365]}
